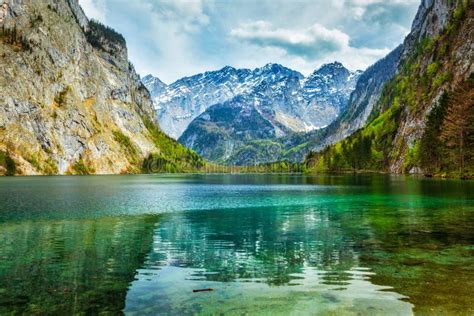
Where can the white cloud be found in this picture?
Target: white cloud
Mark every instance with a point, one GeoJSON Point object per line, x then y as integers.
{"type": "Point", "coordinates": [189, 15]}
{"type": "Point", "coordinates": [384, 9]}
{"type": "Point", "coordinates": [311, 42]}
{"type": "Point", "coordinates": [94, 9]}
{"type": "Point", "coordinates": [176, 38]}
{"type": "Point", "coordinates": [312, 46]}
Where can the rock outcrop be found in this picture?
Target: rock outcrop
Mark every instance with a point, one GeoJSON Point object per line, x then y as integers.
{"type": "Point", "coordinates": [437, 58]}
{"type": "Point", "coordinates": [70, 102]}
{"type": "Point", "coordinates": [361, 102]}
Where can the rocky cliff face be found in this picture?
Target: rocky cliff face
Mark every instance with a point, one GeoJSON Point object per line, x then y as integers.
{"type": "Point", "coordinates": [154, 85]}
{"type": "Point", "coordinates": [437, 59]}
{"type": "Point", "coordinates": [328, 90]}
{"type": "Point", "coordinates": [182, 101]}
{"type": "Point", "coordinates": [429, 22]}
{"type": "Point", "coordinates": [423, 119]}
{"type": "Point", "coordinates": [70, 102]}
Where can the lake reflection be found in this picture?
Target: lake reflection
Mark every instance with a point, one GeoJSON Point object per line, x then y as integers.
{"type": "Point", "coordinates": [289, 260]}
{"type": "Point", "coordinates": [264, 244]}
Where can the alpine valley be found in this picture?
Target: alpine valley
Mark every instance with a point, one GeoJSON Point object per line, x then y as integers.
{"type": "Point", "coordinates": [236, 191]}
{"type": "Point", "coordinates": [72, 103]}
{"type": "Point", "coordinates": [411, 111]}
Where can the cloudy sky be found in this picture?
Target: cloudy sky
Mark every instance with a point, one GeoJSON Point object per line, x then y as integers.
{"type": "Point", "coordinates": [175, 38]}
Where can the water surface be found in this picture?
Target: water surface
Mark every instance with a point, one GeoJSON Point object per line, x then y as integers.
{"type": "Point", "coordinates": [265, 244]}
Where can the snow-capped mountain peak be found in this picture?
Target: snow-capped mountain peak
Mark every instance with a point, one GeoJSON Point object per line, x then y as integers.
{"type": "Point", "coordinates": [154, 84]}
{"type": "Point", "coordinates": [303, 101]}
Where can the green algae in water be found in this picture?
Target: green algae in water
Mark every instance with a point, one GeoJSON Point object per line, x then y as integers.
{"type": "Point", "coordinates": [270, 245]}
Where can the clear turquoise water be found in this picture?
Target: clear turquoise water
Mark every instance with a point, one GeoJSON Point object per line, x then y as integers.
{"type": "Point", "coordinates": [265, 244]}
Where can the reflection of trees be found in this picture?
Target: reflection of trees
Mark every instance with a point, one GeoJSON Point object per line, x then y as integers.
{"type": "Point", "coordinates": [420, 243]}
{"type": "Point", "coordinates": [71, 267]}
{"type": "Point", "coordinates": [260, 244]}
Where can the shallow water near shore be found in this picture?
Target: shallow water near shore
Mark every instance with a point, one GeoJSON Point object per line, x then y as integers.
{"type": "Point", "coordinates": [264, 244]}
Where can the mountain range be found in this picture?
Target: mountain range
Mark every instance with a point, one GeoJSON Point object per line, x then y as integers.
{"type": "Point", "coordinates": [72, 103]}
{"type": "Point", "coordinates": [287, 119]}
{"type": "Point", "coordinates": [218, 112]}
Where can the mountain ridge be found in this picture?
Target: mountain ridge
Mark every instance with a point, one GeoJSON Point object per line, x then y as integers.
{"type": "Point", "coordinates": [285, 99]}
{"type": "Point", "coordinates": [190, 96]}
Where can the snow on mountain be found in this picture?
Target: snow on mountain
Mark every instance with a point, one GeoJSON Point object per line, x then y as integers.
{"type": "Point", "coordinates": [182, 101]}
{"type": "Point", "coordinates": [156, 88]}
{"type": "Point", "coordinates": [280, 99]}
{"type": "Point", "coordinates": [294, 102]}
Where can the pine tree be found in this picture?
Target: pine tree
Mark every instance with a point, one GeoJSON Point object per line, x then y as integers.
{"type": "Point", "coordinates": [431, 148]}
{"type": "Point", "coordinates": [458, 125]}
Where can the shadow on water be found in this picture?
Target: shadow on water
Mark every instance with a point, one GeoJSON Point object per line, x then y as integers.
{"type": "Point", "coordinates": [265, 244]}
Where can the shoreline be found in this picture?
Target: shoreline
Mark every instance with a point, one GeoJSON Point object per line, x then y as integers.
{"type": "Point", "coordinates": [334, 173]}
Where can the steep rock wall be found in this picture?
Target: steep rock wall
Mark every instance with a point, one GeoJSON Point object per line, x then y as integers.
{"type": "Point", "coordinates": [65, 105]}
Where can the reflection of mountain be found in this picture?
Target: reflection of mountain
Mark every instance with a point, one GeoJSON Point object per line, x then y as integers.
{"type": "Point", "coordinates": [68, 267]}
{"type": "Point", "coordinates": [267, 244]}
{"type": "Point", "coordinates": [266, 253]}
{"type": "Point", "coordinates": [349, 251]}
